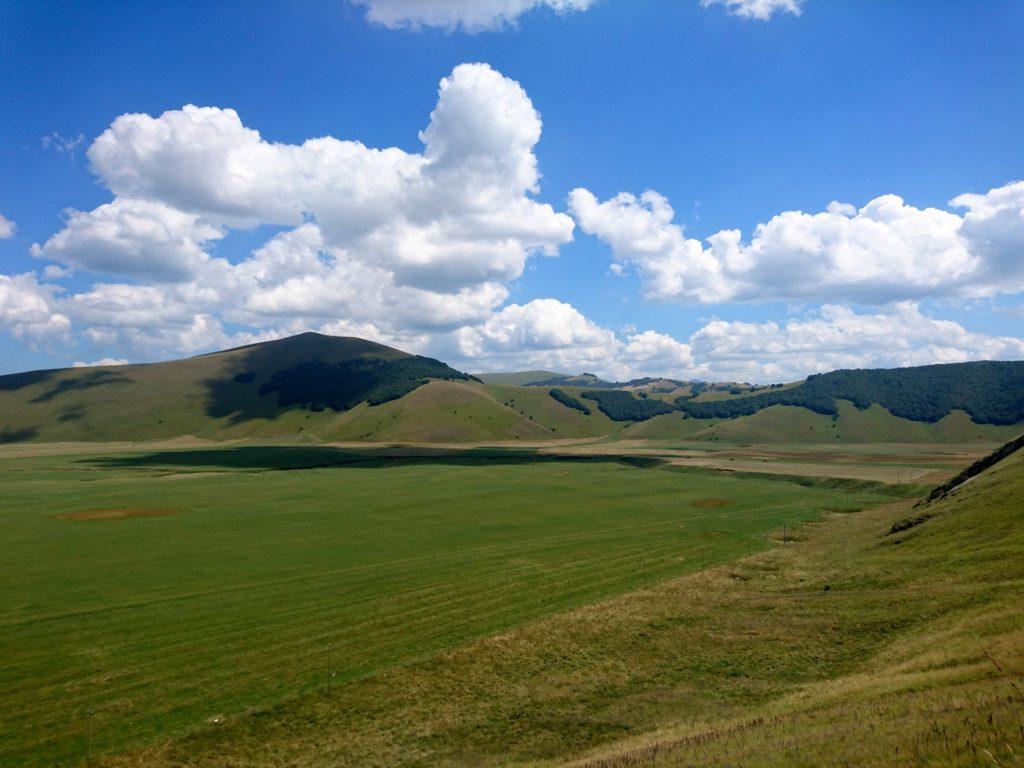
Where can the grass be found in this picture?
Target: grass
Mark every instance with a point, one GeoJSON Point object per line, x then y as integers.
{"type": "Point", "coordinates": [848, 646]}
{"type": "Point", "coordinates": [272, 570]}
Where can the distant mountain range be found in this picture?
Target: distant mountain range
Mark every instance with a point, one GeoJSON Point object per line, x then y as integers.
{"type": "Point", "coordinates": [320, 388]}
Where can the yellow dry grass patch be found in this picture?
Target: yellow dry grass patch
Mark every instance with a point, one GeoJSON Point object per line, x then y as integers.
{"type": "Point", "coordinates": [116, 513]}
{"type": "Point", "coordinates": [711, 503]}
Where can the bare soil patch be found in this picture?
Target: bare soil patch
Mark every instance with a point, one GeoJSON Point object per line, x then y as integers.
{"type": "Point", "coordinates": [116, 513]}
{"type": "Point", "coordinates": [711, 503]}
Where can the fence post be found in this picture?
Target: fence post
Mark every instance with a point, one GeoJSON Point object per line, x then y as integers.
{"type": "Point", "coordinates": [88, 747]}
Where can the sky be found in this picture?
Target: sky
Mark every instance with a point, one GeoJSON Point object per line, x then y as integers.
{"type": "Point", "coordinates": [750, 190]}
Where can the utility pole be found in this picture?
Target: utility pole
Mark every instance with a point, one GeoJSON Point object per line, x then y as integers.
{"type": "Point", "coordinates": [329, 672]}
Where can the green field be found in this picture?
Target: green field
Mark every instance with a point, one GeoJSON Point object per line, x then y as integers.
{"type": "Point", "coordinates": [849, 645]}
{"type": "Point", "coordinates": [233, 578]}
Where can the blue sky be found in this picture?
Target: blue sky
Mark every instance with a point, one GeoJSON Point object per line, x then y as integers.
{"type": "Point", "coordinates": [731, 120]}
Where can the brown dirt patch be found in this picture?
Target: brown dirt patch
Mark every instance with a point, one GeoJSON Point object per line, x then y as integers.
{"type": "Point", "coordinates": [710, 503]}
{"type": "Point", "coordinates": [116, 513]}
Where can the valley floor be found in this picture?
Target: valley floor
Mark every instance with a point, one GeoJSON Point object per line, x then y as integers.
{"type": "Point", "coordinates": [259, 605]}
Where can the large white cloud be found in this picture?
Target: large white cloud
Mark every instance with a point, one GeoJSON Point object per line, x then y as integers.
{"type": "Point", "coordinates": [885, 251]}
{"type": "Point", "coordinates": [757, 9]}
{"type": "Point", "coordinates": [467, 15]}
{"type": "Point", "coordinates": [457, 215]}
{"type": "Point", "coordinates": [403, 242]}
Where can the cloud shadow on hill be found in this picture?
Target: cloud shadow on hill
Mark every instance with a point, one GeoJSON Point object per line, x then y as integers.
{"type": "Point", "coordinates": [79, 383]}
{"type": "Point", "coordinates": [15, 381]}
{"type": "Point", "coordinates": [270, 458]}
{"type": "Point", "coordinates": [318, 373]}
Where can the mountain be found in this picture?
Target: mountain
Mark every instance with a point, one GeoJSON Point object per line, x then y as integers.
{"type": "Point", "coordinates": [266, 388]}
{"type": "Point", "coordinates": [317, 388]}
{"type": "Point", "coordinates": [990, 392]}
{"type": "Point", "coordinates": [518, 378]}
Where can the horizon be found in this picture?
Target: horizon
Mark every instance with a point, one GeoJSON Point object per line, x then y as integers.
{"type": "Point", "coordinates": [472, 372]}
{"type": "Point", "coordinates": [798, 187]}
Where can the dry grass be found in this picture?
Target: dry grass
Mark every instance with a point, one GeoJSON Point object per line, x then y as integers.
{"type": "Point", "coordinates": [117, 513]}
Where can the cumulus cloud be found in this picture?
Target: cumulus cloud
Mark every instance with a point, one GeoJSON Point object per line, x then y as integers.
{"type": "Point", "coordinates": [551, 334]}
{"type": "Point", "coordinates": [28, 310]}
{"type": "Point", "coordinates": [757, 9]}
{"type": "Point", "coordinates": [135, 238]}
{"type": "Point", "coordinates": [456, 215]}
{"type": "Point", "coordinates": [465, 15]}
{"type": "Point", "coordinates": [404, 242]}
{"type": "Point", "coordinates": [838, 337]}
{"type": "Point", "coordinates": [885, 251]}
{"type": "Point", "coordinates": [546, 333]}
{"type": "Point", "coordinates": [7, 227]}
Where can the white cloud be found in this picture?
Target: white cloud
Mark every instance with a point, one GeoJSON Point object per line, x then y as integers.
{"type": "Point", "coordinates": [993, 227]}
{"type": "Point", "coordinates": [657, 353]}
{"type": "Point", "coordinates": [56, 272]}
{"type": "Point", "coordinates": [550, 334]}
{"type": "Point", "coordinates": [546, 333]}
{"type": "Point", "coordinates": [757, 9]}
{"type": "Point", "coordinates": [102, 362]}
{"type": "Point", "coordinates": [465, 15]}
{"type": "Point", "coordinates": [7, 227]}
{"type": "Point", "coordinates": [489, 15]}
{"type": "Point", "coordinates": [27, 310]}
{"type": "Point", "coordinates": [64, 145]}
{"type": "Point", "coordinates": [885, 251]}
{"type": "Point", "coordinates": [134, 238]}
{"type": "Point", "coordinates": [454, 216]}
{"type": "Point", "coordinates": [838, 337]}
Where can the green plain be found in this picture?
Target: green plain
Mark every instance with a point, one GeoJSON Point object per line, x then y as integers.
{"type": "Point", "coordinates": [285, 568]}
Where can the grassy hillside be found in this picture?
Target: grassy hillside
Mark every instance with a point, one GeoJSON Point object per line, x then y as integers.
{"type": "Point", "coordinates": [789, 424]}
{"type": "Point", "coordinates": [259, 390]}
{"type": "Point", "coordinates": [442, 411]}
{"type": "Point", "coordinates": [990, 392]}
{"type": "Point", "coordinates": [842, 645]}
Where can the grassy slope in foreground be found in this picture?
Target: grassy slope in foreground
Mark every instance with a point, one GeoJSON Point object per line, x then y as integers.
{"type": "Point", "coordinates": [161, 622]}
{"type": "Point", "coordinates": [844, 647]}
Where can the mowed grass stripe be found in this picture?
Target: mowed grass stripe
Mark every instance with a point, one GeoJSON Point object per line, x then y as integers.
{"type": "Point", "coordinates": [260, 633]}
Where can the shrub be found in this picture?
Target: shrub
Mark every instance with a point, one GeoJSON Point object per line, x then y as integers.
{"type": "Point", "coordinates": [569, 400]}
{"type": "Point", "coordinates": [622, 406]}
